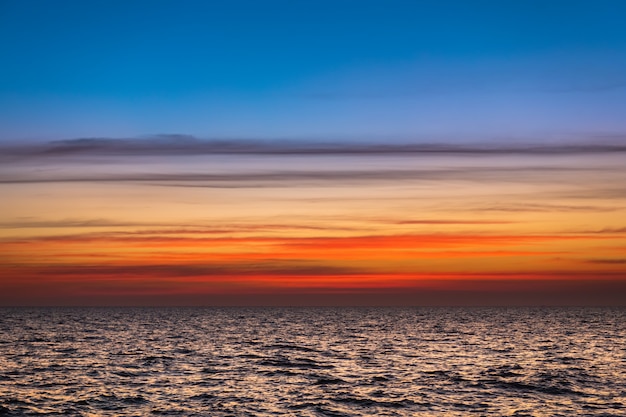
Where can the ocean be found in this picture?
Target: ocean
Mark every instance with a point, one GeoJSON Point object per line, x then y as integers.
{"type": "Point", "coordinates": [313, 361]}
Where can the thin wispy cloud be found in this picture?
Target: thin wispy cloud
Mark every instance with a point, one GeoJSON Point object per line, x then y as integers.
{"type": "Point", "coordinates": [541, 207]}
{"type": "Point", "coordinates": [608, 261]}
{"type": "Point", "coordinates": [163, 228]}
{"type": "Point", "coordinates": [330, 177]}
{"type": "Point", "coordinates": [182, 145]}
{"type": "Point", "coordinates": [258, 267]}
{"type": "Point", "coordinates": [450, 222]}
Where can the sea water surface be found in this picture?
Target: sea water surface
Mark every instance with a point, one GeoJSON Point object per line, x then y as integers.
{"type": "Point", "coordinates": [313, 362]}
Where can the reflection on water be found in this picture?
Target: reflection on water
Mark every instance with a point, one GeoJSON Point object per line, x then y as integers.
{"type": "Point", "coordinates": [313, 362]}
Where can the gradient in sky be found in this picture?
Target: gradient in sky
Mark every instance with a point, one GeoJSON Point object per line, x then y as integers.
{"type": "Point", "coordinates": [397, 153]}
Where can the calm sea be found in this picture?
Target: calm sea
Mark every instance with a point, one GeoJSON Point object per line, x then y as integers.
{"type": "Point", "coordinates": [313, 362]}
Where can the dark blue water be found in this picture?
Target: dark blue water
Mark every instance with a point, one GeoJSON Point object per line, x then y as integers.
{"type": "Point", "coordinates": [313, 362]}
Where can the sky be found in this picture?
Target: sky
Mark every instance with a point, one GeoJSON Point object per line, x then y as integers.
{"type": "Point", "coordinates": [312, 152]}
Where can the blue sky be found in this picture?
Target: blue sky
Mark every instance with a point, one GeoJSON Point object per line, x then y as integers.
{"type": "Point", "coordinates": [393, 70]}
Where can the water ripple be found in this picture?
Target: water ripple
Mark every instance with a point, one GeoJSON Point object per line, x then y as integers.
{"type": "Point", "coordinates": [312, 362]}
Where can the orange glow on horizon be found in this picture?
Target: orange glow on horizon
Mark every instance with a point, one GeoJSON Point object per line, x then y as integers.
{"type": "Point", "coordinates": [491, 225]}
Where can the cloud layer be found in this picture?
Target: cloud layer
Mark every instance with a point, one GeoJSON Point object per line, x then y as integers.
{"type": "Point", "coordinates": [176, 219]}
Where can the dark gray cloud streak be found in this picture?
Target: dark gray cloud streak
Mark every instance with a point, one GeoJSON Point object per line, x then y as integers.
{"type": "Point", "coordinates": [618, 261]}
{"type": "Point", "coordinates": [254, 179]}
{"type": "Point", "coordinates": [537, 207]}
{"type": "Point", "coordinates": [267, 266]}
{"type": "Point", "coordinates": [181, 145]}
{"type": "Point", "coordinates": [163, 228]}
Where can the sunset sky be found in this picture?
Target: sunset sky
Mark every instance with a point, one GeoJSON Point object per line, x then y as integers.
{"type": "Point", "coordinates": [313, 153]}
